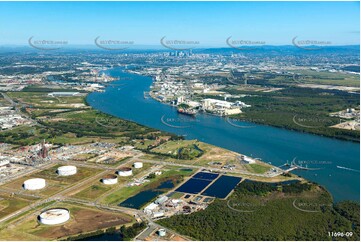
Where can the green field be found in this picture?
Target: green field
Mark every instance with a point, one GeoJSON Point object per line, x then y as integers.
{"type": "Point", "coordinates": [54, 183]}
{"type": "Point", "coordinates": [30, 229]}
{"type": "Point", "coordinates": [8, 205]}
{"type": "Point", "coordinates": [65, 120]}
{"type": "Point", "coordinates": [94, 191]}
{"type": "Point", "coordinates": [258, 168]}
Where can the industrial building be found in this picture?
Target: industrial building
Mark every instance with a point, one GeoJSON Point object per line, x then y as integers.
{"type": "Point", "coordinates": [54, 216]}
{"type": "Point", "coordinates": [34, 184]}
{"type": "Point", "coordinates": [4, 161]}
{"type": "Point", "coordinates": [248, 160]}
{"type": "Point", "coordinates": [63, 94]}
{"type": "Point", "coordinates": [220, 107]}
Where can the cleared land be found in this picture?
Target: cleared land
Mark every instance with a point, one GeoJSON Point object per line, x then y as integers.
{"type": "Point", "coordinates": [31, 229]}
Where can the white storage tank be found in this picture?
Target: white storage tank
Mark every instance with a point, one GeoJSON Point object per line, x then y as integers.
{"type": "Point", "coordinates": [54, 216]}
{"type": "Point", "coordinates": [162, 232]}
{"type": "Point", "coordinates": [66, 170]}
{"type": "Point", "coordinates": [110, 179]}
{"type": "Point", "coordinates": [138, 165]}
{"type": "Point", "coordinates": [34, 184]}
{"type": "Point", "coordinates": [125, 171]}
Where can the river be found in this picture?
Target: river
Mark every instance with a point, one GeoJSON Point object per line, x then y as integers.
{"type": "Point", "coordinates": [338, 161]}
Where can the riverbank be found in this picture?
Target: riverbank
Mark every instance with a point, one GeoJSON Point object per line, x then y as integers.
{"type": "Point", "coordinates": [275, 112]}
{"type": "Point", "coordinates": [265, 142]}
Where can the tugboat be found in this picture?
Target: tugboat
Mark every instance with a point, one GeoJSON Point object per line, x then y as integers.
{"type": "Point", "coordinates": [190, 112]}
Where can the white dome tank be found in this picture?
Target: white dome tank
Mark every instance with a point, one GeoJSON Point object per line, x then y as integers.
{"type": "Point", "coordinates": [66, 170]}
{"type": "Point", "coordinates": [54, 216]}
{"type": "Point", "coordinates": [34, 184]}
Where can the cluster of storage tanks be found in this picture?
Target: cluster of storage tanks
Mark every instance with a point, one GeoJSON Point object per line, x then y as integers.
{"type": "Point", "coordinates": [123, 172]}
{"type": "Point", "coordinates": [57, 216]}
{"type": "Point", "coordinates": [40, 183]}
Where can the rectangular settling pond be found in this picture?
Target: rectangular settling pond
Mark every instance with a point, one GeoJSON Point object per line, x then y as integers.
{"type": "Point", "coordinates": [197, 183]}
{"type": "Point", "coordinates": [222, 187]}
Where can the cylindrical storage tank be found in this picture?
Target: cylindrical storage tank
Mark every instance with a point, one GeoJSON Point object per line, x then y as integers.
{"type": "Point", "coordinates": [110, 179]}
{"type": "Point", "coordinates": [138, 165]}
{"type": "Point", "coordinates": [66, 170]}
{"type": "Point", "coordinates": [34, 184]}
{"type": "Point", "coordinates": [162, 232]}
{"type": "Point", "coordinates": [126, 171]}
{"type": "Point", "coordinates": [54, 216]}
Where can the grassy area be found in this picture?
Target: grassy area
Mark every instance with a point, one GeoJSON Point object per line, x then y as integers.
{"type": "Point", "coordinates": [68, 120]}
{"type": "Point", "coordinates": [93, 192]}
{"type": "Point", "coordinates": [43, 101]}
{"type": "Point", "coordinates": [8, 205]}
{"type": "Point", "coordinates": [54, 182]}
{"type": "Point", "coordinates": [329, 78]}
{"type": "Point", "coordinates": [30, 229]}
{"type": "Point", "coordinates": [258, 168]}
{"type": "Point", "coordinates": [82, 173]}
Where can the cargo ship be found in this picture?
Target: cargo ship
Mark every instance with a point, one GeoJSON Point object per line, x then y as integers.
{"type": "Point", "coordinates": [191, 112]}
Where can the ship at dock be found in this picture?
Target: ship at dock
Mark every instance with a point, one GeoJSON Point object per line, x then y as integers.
{"type": "Point", "coordinates": [185, 111]}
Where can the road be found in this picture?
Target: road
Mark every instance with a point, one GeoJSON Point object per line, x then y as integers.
{"type": "Point", "coordinates": [279, 171]}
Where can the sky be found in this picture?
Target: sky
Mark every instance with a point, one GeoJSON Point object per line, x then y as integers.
{"type": "Point", "coordinates": [209, 23]}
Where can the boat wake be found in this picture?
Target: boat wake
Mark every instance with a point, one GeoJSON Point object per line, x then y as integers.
{"type": "Point", "coordinates": [345, 168]}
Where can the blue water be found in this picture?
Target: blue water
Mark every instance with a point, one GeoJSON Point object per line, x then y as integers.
{"type": "Point", "coordinates": [143, 197]}
{"type": "Point", "coordinates": [205, 176]}
{"type": "Point", "coordinates": [125, 99]}
{"type": "Point", "coordinates": [222, 186]}
{"type": "Point", "coordinates": [194, 186]}
{"type": "Point", "coordinates": [140, 199]}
